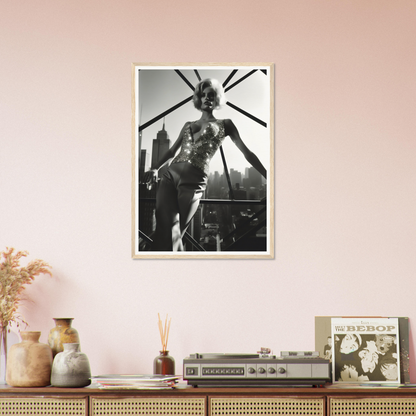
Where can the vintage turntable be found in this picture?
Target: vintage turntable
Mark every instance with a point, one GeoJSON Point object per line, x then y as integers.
{"type": "Point", "coordinates": [262, 369]}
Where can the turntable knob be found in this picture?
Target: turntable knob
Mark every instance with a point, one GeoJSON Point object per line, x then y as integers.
{"type": "Point", "coordinates": [271, 370]}
{"type": "Point", "coordinates": [262, 370]}
{"type": "Point", "coordinates": [281, 370]}
{"type": "Point", "coordinates": [251, 370]}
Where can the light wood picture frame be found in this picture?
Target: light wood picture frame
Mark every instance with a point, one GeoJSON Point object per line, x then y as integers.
{"type": "Point", "coordinates": [235, 215]}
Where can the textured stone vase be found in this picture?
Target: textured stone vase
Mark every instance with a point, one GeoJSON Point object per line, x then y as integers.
{"type": "Point", "coordinates": [29, 363]}
{"type": "Point", "coordinates": [71, 368]}
{"type": "Point", "coordinates": [63, 333]}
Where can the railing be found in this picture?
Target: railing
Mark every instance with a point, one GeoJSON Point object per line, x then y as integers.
{"type": "Point", "coordinates": [236, 239]}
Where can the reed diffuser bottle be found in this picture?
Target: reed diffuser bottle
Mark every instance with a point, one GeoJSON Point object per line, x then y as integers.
{"type": "Point", "coordinates": [164, 364]}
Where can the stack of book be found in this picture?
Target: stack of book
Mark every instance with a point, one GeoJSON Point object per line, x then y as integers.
{"type": "Point", "coordinates": [127, 381]}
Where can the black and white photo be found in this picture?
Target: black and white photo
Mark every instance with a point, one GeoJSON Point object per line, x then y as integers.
{"type": "Point", "coordinates": [202, 161]}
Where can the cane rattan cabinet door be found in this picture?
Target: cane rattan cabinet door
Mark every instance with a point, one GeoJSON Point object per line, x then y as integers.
{"type": "Point", "coordinates": [267, 406]}
{"type": "Point", "coordinates": [386, 406]}
{"type": "Point", "coordinates": [152, 406]}
{"type": "Point", "coordinates": [52, 406]}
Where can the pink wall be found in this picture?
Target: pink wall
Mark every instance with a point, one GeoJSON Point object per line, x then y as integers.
{"type": "Point", "coordinates": [345, 173]}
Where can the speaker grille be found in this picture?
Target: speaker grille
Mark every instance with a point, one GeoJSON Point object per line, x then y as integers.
{"type": "Point", "coordinates": [266, 406]}
{"type": "Point", "coordinates": [42, 406]}
{"type": "Point", "coordinates": [149, 406]}
{"type": "Point", "coordinates": [374, 406]}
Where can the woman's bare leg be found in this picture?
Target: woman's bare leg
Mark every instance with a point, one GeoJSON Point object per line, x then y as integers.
{"type": "Point", "coordinates": [167, 236]}
{"type": "Point", "coordinates": [188, 200]}
{"type": "Point", "coordinates": [190, 190]}
{"type": "Point", "coordinates": [177, 200]}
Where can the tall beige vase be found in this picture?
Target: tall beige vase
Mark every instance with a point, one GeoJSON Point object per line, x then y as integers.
{"type": "Point", "coordinates": [63, 333]}
{"type": "Point", "coordinates": [29, 363]}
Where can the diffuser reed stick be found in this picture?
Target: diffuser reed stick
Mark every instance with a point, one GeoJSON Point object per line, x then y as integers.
{"type": "Point", "coordinates": [164, 331]}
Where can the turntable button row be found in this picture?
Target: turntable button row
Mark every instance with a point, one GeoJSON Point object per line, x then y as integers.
{"type": "Point", "coordinates": [260, 370]}
{"type": "Point", "coordinates": [222, 371]}
{"type": "Point", "coordinates": [270, 370]}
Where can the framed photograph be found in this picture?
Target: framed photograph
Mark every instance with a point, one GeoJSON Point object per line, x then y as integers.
{"type": "Point", "coordinates": [202, 161]}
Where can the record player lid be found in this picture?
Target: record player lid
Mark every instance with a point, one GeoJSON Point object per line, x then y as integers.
{"type": "Point", "coordinates": [225, 356]}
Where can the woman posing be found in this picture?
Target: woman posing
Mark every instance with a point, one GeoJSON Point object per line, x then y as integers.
{"type": "Point", "coordinates": [184, 182]}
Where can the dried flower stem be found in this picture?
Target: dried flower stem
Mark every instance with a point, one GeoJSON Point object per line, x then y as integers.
{"type": "Point", "coordinates": [13, 279]}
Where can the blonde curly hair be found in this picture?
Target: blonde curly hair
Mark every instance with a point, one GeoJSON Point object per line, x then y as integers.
{"type": "Point", "coordinates": [219, 93]}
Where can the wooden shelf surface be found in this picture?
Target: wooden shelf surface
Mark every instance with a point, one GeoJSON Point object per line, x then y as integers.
{"type": "Point", "coordinates": [207, 391]}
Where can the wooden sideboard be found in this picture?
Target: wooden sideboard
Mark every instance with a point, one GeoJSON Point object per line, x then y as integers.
{"type": "Point", "coordinates": [190, 401]}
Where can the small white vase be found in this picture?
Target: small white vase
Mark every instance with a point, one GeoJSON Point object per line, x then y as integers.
{"type": "Point", "coordinates": [70, 368]}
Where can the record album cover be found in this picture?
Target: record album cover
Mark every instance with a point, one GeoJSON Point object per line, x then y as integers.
{"type": "Point", "coordinates": [365, 350]}
{"type": "Point", "coordinates": [325, 342]}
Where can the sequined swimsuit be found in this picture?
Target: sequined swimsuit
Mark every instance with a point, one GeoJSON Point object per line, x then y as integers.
{"type": "Point", "coordinates": [200, 152]}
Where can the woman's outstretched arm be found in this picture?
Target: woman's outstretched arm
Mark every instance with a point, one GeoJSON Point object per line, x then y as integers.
{"type": "Point", "coordinates": [231, 130]}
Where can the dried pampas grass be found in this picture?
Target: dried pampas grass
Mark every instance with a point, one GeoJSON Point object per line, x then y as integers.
{"type": "Point", "coordinates": [13, 279]}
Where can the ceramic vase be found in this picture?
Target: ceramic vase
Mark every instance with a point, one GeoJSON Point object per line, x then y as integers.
{"type": "Point", "coordinates": [63, 333]}
{"type": "Point", "coordinates": [71, 368]}
{"type": "Point", "coordinates": [29, 362]}
{"type": "Point", "coordinates": [164, 364]}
